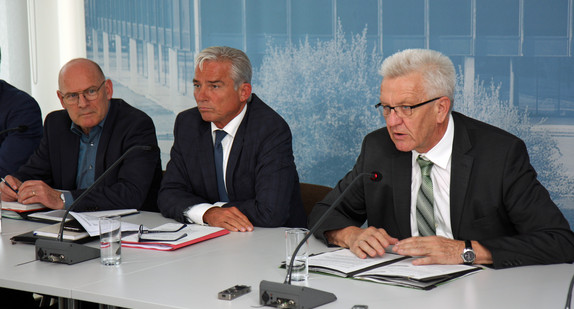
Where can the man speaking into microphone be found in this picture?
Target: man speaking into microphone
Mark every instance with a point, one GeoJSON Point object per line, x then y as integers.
{"type": "Point", "coordinates": [454, 190]}
{"type": "Point", "coordinates": [82, 141]}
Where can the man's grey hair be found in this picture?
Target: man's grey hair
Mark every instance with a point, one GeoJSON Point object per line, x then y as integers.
{"type": "Point", "coordinates": [437, 70]}
{"type": "Point", "coordinates": [240, 65]}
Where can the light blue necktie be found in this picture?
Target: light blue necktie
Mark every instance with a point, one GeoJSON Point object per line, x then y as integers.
{"type": "Point", "coordinates": [425, 200]}
{"type": "Point", "coordinates": [218, 156]}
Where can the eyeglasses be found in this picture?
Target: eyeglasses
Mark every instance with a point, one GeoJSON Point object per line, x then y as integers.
{"type": "Point", "coordinates": [401, 110]}
{"type": "Point", "coordinates": [90, 94]}
{"type": "Point", "coordinates": [161, 235]}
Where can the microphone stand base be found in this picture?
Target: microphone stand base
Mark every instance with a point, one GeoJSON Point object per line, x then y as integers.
{"type": "Point", "coordinates": [55, 251]}
{"type": "Point", "coordinates": [283, 295]}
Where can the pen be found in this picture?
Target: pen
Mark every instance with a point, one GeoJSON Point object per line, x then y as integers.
{"type": "Point", "coordinates": [9, 186]}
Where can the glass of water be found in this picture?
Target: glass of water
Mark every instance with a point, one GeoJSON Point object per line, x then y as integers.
{"type": "Point", "coordinates": [110, 240]}
{"type": "Point", "coordinates": [293, 237]}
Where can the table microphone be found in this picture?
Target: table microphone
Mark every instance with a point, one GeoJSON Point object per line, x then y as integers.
{"type": "Point", "coordinates": [20, 129]}
{"type": "Point", "coordinates": [285, 295]}
{"type": "Point", "coordinates": [58, 251]}
{"type": "Point", "coordinates": [569, 296]}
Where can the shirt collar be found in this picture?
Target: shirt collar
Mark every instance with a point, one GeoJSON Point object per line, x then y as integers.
{"type": "Point", "coordinates": [98, 128]}
{"type": "Point", "coordinates": [441, 153]}
{"type": "Point", "coordinates": [232, 127]}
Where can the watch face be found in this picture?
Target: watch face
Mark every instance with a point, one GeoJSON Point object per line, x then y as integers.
{"type": "Point", "coordinates": [468, 256]}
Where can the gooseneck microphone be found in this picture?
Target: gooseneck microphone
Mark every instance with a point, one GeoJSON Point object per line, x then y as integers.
{"type": "Point", "coordinates": [299, 297]}
{"type": "Point", "coordinates": [20, 129]}
{"type": "Point", "coordinates": [569, 296]}
{"type": "Point", "coordinates": [58, 251]}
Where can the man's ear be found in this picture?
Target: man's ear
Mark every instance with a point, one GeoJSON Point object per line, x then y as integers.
{"type": "Point", "coordinates": [244, 92]}
{"type": "Point", "coordinates": [443, 107]}
{"type": "Point", "coordinates": [61, 98]}
{"type": "Point", "coordinates": [109, 89]}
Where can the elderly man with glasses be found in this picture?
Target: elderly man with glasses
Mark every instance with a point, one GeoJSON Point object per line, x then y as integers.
{"type": "Point", "coordinates": [82, 141]}
{"type": "Point", "coordinates": [454, 190]}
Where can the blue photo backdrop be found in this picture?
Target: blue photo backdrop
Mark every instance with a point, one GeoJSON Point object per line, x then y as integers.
{"type": "Point", "coordinates": [316, 63]}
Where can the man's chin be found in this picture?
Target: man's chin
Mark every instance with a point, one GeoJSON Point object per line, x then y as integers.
{"type": "Point", "coordinates": [403, 146]}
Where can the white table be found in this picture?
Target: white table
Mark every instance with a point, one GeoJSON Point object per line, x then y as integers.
{"type": "Point", "coordinates": [192, 276]}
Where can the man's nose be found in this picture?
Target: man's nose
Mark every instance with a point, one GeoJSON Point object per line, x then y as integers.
{"type": "Point", "coordinates": [393, 119]}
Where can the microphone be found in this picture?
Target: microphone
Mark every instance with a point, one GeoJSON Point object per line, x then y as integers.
{"type": "Point", "coordinates": [58, 251]}
{"type": "Point", "coordinates": [20, 129]}
{"type": "Point", "coordinates": [569, 296]}
{"type": "Point", "coordinates": [284, 294]}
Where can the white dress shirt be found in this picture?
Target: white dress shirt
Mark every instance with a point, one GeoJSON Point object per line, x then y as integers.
{"type": "Point", "coordinates": [441, 156]}
{"type": "Point", "coordinates": [195, 213]}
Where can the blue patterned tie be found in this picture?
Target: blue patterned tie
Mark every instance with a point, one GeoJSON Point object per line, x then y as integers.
{"type": "Point", "coordinates": [218, 156]}
{"type": "Point", "coordinates": [425, 200]}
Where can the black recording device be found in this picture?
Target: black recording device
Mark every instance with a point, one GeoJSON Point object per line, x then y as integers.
{"type": "Point", "coordinates": [285, 295]}
{"type": "Point", "coordinates": [58, 251]}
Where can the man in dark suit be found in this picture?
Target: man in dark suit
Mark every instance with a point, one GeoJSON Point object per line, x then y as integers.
{"type": "Point", "coordinates": [479, 203]}
{"type": "Point", "coordinates": [232, 161]}
{"type": "Point", "coordinates": [82, 141]}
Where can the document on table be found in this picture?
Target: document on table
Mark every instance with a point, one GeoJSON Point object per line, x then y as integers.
{"type": "Point", "coordinates": [161, 238]}
{"type": "Point", "coordinates": [58, 214]}
{"type": "Point", "coordinates": [91, 223]}
{"type": "Point", "coordinates": [390, 269]}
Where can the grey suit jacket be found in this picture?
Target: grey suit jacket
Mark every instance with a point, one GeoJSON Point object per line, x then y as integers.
{"type": "Point", "coordinates": [495, 197]}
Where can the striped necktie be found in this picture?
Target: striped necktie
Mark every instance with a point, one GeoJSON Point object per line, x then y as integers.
{"type": "Point", "coordinates": [425, 200]}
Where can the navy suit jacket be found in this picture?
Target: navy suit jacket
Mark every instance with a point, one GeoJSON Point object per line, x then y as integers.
{"type": "Point", "coordinates": [132, 184]}
{"type": "Point", "coordinates": [495, 197]}
{"type": "Point", "coordinates": [17, 108]}
{"type": "Point", "coordinates": [261, 176]}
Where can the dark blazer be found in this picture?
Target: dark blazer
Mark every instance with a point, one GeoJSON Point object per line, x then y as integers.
{"type": "Point", "coordinates": [495, 197]}
{"type": "Point", "coordinates": [132, 184]}
{"type": "Point", "coordinates": [261, 176]}
{"type": "Point", "coordinates": [17, 108]}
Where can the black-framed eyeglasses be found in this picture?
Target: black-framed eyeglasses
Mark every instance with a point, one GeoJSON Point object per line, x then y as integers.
{"type": "Point", "coordinates": [90, 94]}
{"type": "Point", "coordinates": [172, 237]}
{"type": "Point", "coordinates": [401, 110]}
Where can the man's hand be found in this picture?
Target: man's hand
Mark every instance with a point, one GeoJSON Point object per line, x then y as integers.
{"type": "Point", "coordinates": [362, 242]}
{"type": "Point", "coordinates": [229, 218]}
{"type": "Point", "coordinates": [37, 191]}
{"type": "Point", "coordinates": [7, 194]}
{"type": "Point", "coordinates": [440, 250]}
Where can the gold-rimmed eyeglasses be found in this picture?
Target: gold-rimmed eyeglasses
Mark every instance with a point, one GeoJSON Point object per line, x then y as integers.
{"type": "Point", "coordinates": [90, 94]}
{"type": "Point", "coordinates": [401, 110]}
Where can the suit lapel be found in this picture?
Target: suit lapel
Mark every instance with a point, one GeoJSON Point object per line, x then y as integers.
{"type": "Point", "coordinates": [236, 149]}
{"type": "Point", "coordinates": [460, 174]}
{"type": "Point", "coordinates": [69, 157]}
{"type": "Point", "coordinates": [402, 192]}
{"type": "Point", "coordinates": [101, 164]}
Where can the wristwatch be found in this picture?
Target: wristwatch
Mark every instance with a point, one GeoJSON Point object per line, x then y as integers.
{"type": "Point", "coordinates": [468, 255]}
{"type": "Point", "coordinates": [63, 198]}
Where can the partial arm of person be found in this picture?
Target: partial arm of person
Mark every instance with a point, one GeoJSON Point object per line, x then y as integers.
{"type": "Point", "coordinates": [177, 192]}
{"type": "Point", "coordinates": [541, 233]}
{"type": "Point", "coordinates": [274, 177]}
{"type": "Point", "coordinates": [16, 147]}
{"type": "Point", "coordinates": [349, 216]}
